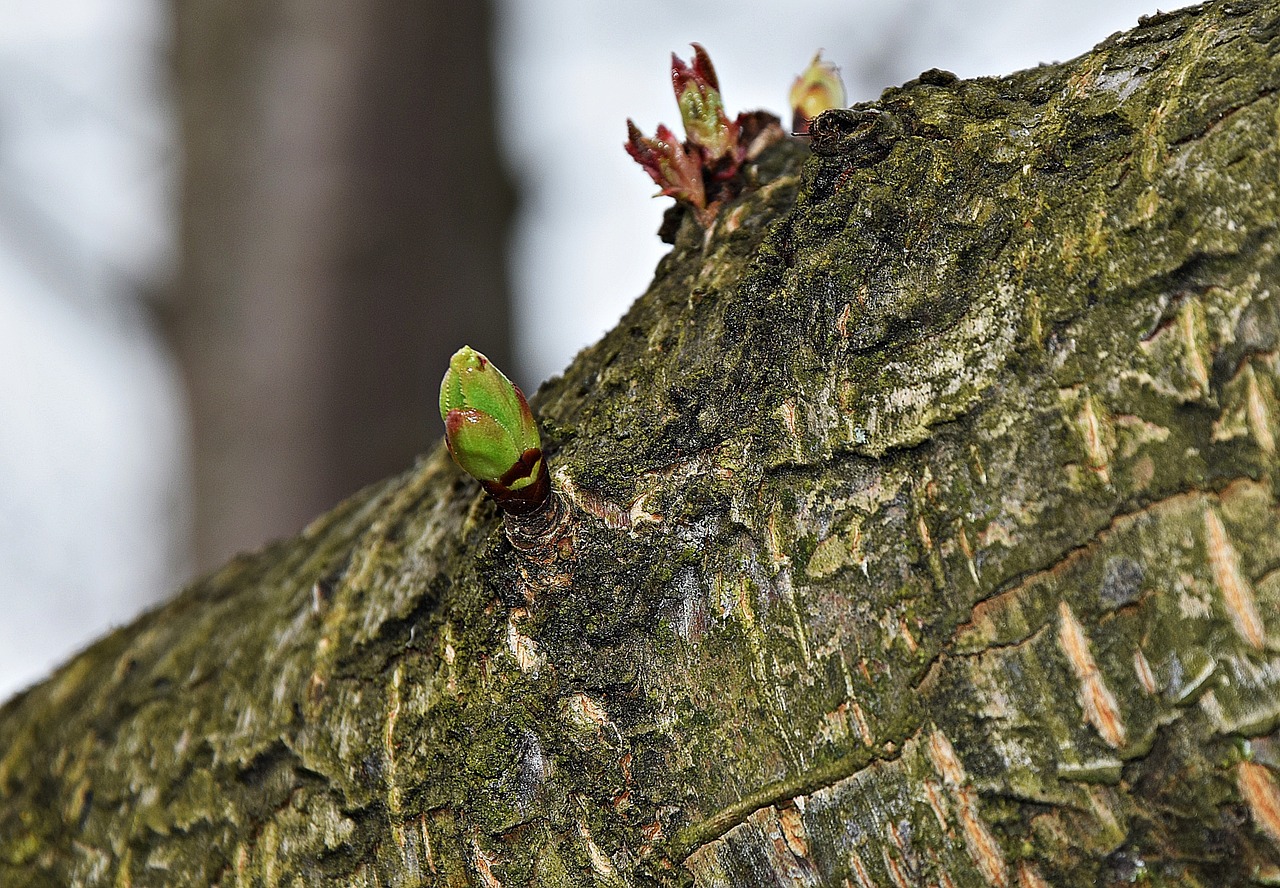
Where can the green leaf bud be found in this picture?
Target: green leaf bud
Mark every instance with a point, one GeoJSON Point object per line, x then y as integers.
{"type": "Point", "coordinates": [491, 432]}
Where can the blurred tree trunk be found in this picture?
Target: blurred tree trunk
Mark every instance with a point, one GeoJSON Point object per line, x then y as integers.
{"type": "Point", "coordinates": [344, 223]}
{"type": "Point", "coordinates": [923, 531]}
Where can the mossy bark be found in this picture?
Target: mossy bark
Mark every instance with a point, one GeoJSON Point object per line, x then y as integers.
{"type": "Point", "coordinates": [923, 532]}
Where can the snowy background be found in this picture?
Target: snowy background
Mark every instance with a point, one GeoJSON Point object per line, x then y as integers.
{"type": "Point", "coordinates": [93, 491]}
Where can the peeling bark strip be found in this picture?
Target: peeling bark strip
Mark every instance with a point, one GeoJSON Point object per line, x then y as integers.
{"type": "Point", "coordinates": [920, 528]}
{"type": "Point", "coordinates": [1096, 699]}
{"type": "Point", "coordinates": [1259, 791]}
{"type": "Point", "coordinates": [978, 838]}
{"type": "Point", "coordinates": [1029, 877]}
{"type": "Point", "coordinates": [1237, 595]}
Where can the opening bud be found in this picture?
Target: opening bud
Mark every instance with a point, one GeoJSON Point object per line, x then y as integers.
{"type": "Point", "coordinates": [675, 171]}
{"type": "Point", "coordinates": [702, 109]}
{"type": "Point", "coordinates": [819, 88]}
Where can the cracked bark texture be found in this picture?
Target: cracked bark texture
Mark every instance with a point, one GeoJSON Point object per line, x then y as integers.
{"type": "Point", "coordinates": [923, 532]}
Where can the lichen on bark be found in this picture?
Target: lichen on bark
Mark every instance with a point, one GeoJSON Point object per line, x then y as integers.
{"type": "Point", "coordinates": [923, 531]}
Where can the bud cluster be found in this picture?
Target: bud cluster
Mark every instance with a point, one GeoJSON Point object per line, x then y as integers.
{"type": "Point", "coordinates": [702, 171]}
{"type": "Point", "coordinates": [694, 171]}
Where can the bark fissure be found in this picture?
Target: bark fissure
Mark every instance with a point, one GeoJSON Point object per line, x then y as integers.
{"type": "Point", "coordinates": [1017, 585]}
{"type": "Point", "coordinates": [716, 825]}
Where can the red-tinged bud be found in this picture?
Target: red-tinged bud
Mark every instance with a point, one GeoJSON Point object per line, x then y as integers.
{"type": "Point", "coordinates": [697, 92]}
{"type": "Point", "coordinates": [491, 432]}
{"type": "Point", "coordinates": [675, 171]}
{"type": "Point", "coordinates": [816, 90]}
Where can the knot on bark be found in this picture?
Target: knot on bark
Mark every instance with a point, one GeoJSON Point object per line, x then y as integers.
{"type": "Point", "coordinates": [864, 136]}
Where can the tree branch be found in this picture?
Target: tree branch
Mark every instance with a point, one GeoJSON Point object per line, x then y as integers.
{"type": "Point", "coordinates": [950, 551]}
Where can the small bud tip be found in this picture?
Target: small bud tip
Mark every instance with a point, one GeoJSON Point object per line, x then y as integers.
{"type": "Point", "coordinates": [817, 89]}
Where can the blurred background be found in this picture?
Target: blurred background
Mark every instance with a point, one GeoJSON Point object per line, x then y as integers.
{"type": "Point", "coordinates": [240, 238]}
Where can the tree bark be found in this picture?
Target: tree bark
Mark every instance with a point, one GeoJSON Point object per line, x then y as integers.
{"type": "Point", "coordinates": [923, 532]}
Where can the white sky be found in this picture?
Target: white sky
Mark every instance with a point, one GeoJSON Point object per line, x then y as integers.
{"type": "Point", "coordinates": [91, 430]}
